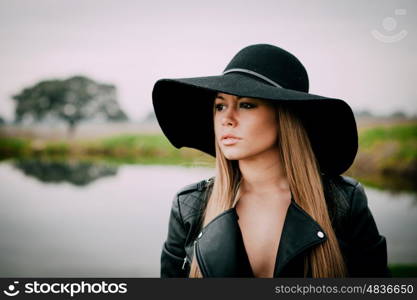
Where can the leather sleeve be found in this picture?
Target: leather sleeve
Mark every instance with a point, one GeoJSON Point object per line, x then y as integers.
{"type": "Point", "coordinates": [173, 252]}
{"type": "Point", "coordinates": [367, 256]}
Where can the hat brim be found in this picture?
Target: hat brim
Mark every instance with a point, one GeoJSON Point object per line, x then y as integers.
{"type": "Point", "coordinates": [184, 110]}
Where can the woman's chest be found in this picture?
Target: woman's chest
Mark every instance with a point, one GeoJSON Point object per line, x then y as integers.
{"type": "Point", "coordinates": [261, 232]}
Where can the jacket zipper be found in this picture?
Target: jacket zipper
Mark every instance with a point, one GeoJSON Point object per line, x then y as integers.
{"type": "Point", "coordinates": [183, 265]}
{"type": "Point", "coordinates": [199, 259]}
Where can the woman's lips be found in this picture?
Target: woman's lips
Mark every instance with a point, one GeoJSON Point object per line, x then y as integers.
{"type": "Point", "coordinates": [229, 141]}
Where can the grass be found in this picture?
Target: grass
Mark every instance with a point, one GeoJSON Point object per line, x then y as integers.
{"type": "Point", "coordinates": [387, 157]}
{"type": "Point", "coordinates": [121, 149]}
{"type": "Point", "coordinates": [403, 270]}
{"type": "Point", "coordinates": [403, 135]}
{"type": "Point", "coordinates": [397, 132]}
{"type": "Point", "coordinates": [12, 146]}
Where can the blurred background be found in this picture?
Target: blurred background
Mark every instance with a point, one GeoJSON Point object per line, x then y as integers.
{"type": "Point", "coordinates": [87, 177]}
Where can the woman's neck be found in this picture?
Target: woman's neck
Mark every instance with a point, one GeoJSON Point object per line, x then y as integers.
{"type": "Point", "coordinates": [263, 174]}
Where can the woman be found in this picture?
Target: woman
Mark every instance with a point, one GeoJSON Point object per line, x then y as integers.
{"type": "Point", "coordinates": [278, 206]}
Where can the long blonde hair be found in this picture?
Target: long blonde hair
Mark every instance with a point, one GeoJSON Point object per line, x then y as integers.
{"type": "Point", "coordinates": [302, 171]}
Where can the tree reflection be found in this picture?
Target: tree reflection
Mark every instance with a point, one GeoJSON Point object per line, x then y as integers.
{"type": "Point", "coordinates": [77, 173]}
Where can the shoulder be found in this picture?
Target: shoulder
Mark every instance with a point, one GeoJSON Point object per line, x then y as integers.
{"type": "Point", "coordinates": [196, 186]}
{"type": "Point", "coordinates": [347, 196]}
{"type": "Point", "coordinates": [191, 198]}
{"type": "Point", "coordinates": [342, 184]}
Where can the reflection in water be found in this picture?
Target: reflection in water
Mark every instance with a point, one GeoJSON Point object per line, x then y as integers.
{"type": "Point", "coordinates": [112, 228]}
{"type": "Point", "coordinates": [77, 173]}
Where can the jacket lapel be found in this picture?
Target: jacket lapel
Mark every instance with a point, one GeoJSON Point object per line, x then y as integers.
{"type": "Point", "coordinates": [220, 249]}
{"type": "Point", "coordinates": [221, 252]}
{"type": "Point", "coordinates": [299, 233]}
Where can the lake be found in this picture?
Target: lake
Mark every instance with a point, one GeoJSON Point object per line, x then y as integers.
{"type": "Point", "coordinates": [77, 219]}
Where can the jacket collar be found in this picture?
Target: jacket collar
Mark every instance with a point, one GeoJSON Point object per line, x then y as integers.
{"type": "Point", "coordinates": [221, 252]}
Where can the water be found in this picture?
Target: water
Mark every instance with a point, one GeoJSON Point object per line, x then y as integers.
{"type": "Point", "coordinates": [112, 226]}
{"type": "Point", "coordinates": [73, 219]}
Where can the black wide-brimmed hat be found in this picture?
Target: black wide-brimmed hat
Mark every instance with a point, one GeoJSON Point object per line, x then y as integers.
{"type": "Point", "coordinates": [184, 107]}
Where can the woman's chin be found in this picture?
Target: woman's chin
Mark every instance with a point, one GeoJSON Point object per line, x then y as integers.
{"type": "Point", "coordinates": [233, 155]}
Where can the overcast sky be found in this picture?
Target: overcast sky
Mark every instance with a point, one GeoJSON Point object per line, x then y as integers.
{"type": "Point", "coordinates": [133, 43]}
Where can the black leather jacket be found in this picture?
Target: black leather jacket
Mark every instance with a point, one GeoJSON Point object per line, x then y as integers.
{"type": "Point", "coordinates": [221, 252]}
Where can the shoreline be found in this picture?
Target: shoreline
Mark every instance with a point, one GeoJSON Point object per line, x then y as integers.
{"type": "Point", "coordinates": [387, 156]}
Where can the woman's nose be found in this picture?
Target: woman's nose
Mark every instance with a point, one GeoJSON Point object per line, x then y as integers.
{"type": "Point", "coordinates": [229, 118]}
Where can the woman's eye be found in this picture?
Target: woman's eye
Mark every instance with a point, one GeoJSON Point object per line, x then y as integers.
{"type": "Point", "coordinates": [247, 105]}
{"type": "Point", "coordinates": [219, 107]}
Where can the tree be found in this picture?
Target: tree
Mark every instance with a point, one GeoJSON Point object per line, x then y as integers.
{"type": "Point", "coordinates": [362, 113]}
{"type": "Point", "coordinates": [71, 100]}
{"type": "Point", "coordinates": [150, 118]}
{"type": "Point", "coordinates": [398, 114]}
{"type": "Point", "coordinates": [77, 173]}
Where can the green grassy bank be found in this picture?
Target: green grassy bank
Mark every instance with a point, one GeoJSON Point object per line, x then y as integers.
{"type": "Point", "coordinates": [387, 156]}
{"type": "Point", "coordinates": [403, 270]}
{"type": "Point", "coordinates": [122, 149]}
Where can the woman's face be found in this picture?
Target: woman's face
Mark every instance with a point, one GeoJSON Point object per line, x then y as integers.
{"type": "Point", "coordinates": [244, 127]}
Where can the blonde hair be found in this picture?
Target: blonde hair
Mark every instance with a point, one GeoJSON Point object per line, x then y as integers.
{"type": "Point", "coordinates": [302, 171]}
